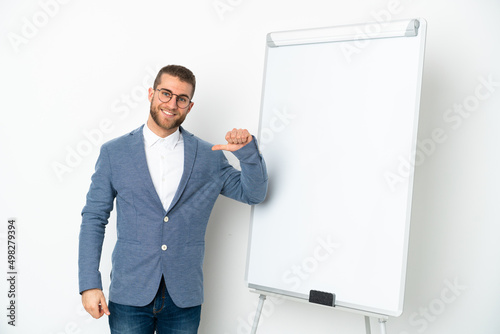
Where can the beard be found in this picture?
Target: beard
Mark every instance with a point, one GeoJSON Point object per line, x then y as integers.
{"type": "Point", "coordinates": [163, 123]}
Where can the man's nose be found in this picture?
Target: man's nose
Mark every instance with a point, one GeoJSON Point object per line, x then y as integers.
{"type": "Point", "coordinates": [172, 104]}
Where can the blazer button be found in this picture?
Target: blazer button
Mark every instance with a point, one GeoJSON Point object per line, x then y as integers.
{"type": "Point", "coordinates": [165, 219]}
{"type": "Point", "coordinates": [164, 247]}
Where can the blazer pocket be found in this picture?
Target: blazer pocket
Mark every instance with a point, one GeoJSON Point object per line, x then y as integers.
{"type": "Point", "coordinates": [126, 223]}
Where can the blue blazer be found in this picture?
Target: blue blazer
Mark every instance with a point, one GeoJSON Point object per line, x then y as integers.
{"type": "Point", "coordinates": [152, 242]}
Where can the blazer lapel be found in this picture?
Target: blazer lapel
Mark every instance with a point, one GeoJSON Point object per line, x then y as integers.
{"type": "Point", "coordinates": [139, 158]}
{"type": "Point", "coordinates": [190, 149]}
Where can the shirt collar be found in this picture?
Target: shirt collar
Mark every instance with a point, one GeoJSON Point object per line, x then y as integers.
{"type": "Point", "coordinates": [151, 139]}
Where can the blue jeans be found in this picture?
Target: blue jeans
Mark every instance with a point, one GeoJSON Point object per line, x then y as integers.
{"type": "Point", "coordinates": [161, 315]}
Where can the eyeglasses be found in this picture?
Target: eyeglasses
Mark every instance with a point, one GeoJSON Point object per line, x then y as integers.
{"type": "Point", "coordinates": [165, 95]}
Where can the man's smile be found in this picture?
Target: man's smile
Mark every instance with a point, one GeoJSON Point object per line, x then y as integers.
{"type": "Point", "coordinates": [167, 113]}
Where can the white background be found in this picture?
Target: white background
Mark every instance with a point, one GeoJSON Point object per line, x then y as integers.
{"type": "Point", "coordinates": [73, 68]}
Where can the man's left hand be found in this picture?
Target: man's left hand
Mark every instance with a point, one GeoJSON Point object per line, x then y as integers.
{"type": "Point", "coordinates": [236, 139]}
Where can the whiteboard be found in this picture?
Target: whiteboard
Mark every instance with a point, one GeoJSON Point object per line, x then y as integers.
{"type": "Point", "coordinates": [338, 132]}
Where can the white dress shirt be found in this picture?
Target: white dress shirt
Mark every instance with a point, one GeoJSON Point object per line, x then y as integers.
{"type": "Point", "coordinates": [165, 158]}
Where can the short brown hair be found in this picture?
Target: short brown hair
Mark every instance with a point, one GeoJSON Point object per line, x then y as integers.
{"type": "Point", "coordinates": [178, 71]}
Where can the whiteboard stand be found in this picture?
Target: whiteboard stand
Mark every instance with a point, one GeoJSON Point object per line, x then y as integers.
{"type": "Point", "coordinates": [262, 299]}
{"type": "Point", "coordinates": [367, 325]}
{"type": "Point", "coordinates": [359, 87]}
{"type": "Point", "coordinates": [382, 319]}
{"type": "Point", "coordinates": [382, 325]}
{"type": "Point", "coordinates": [381, 322]}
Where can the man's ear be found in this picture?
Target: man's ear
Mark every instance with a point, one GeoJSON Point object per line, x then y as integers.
{"type": "Point", "coordinates": [151, 93]}
{"type": "Point", "coordinates": [189, 108]}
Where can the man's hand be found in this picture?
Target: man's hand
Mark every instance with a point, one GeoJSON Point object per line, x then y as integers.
{"type": "Point", "coordinates": [236, 139]}
{"type": "Point", "coordinates": [94, 302]}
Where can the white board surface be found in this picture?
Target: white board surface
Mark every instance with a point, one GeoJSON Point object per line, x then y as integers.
{"type": "Point", "coordinates": [338, 133]}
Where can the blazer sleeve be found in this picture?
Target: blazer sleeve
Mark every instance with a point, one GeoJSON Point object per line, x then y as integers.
{"type": "Point", "coordinates": [95, 214]}
{"type": "Point", "coordinates": [250, 184]}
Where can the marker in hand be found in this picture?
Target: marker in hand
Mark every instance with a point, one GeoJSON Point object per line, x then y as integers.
{"type": "Point", "coordinates": [236, 139]}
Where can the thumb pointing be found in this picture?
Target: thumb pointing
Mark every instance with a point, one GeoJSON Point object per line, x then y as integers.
{"type": "Point", "coordinates": [219, 147]}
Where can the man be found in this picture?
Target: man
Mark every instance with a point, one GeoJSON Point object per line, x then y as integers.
{"type": "Point", "coordinates": [165, 182]}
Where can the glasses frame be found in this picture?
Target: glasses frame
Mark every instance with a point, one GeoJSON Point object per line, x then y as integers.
{"type": "Point", "coordinates": [176, 98]}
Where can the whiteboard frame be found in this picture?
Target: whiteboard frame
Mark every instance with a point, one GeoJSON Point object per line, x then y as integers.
{"type": "Point", "coordinates": [420, 25]}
